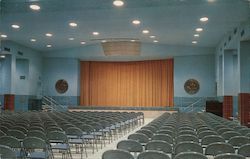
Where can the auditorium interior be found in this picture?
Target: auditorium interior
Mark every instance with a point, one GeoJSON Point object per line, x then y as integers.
{"type": "Point", "coordinates": [124, 79]}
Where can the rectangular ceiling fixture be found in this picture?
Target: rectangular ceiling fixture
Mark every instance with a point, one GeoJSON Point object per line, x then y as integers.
{"type": "Point", "coordinates": [121, 48]}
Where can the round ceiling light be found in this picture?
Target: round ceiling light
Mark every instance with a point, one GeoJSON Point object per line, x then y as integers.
{"type": "Point", "coordinates": [49, 34]}
{"type": "Point", "coordinates": [73, 24]}
{"type": "Point", "coordinates": [35, 7]}
{"type": "Point", "coordinates": [136, 22]}
{"type": "Point", "coordinates": [33, 40]}
{"type": "Point", "coordinates": [15, 26]}
{"type": "Point", "coordinates": [118, 3]}
{"type": "Point", "coordinates": [194, 42]}
{"type": "Point", "coordinates": [95, 33]}
{"type": "Point", "coordinates": [49, 46]}
{"type": "Point", "coordinates": [145, 31]}
{"type": "Point", "coordinates": [204, 19]}
{"type": "Point", "coordinates": [83, 42]}
{"type": "Point", "coordinates": [199, 29]}
{"type": "Point", "coordinates": [3, 36]}
{"type": "Point", "coordinates": [196, 35]}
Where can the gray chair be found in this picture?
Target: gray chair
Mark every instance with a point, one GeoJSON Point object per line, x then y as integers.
{"type": "Point", "coordinates": [219, 148]}
{"type": "Point", "coordinates": [37, 133]}
{"type": "Point", "coordinates": [227, 135]}
{"type": "Point", "coordinates": [74, 135]}
{"type": "Point", "coordinates": [59, 141]}
{"type": "Point", "coordinates": [117, 154]}
{"type": "Point", "coordinates": [188, 147]}
{"type": "Point", "coordinates": [244, 150]}
{"type": "Point", "coordinates": [130, 145]}
{"type": "Point", "coordinates": [211, 139]}
{"type": "Point", "coordinates": [159, 146]}
{"type": "Point", "coordinates": [238, 141]}
{"type": "Point", "coordinates": [16, 133]}
{"type": "Point", "coordinates": [206, 133]}
{"type": "Point", "coordinates": [149, 133]}
{"type": "Point", "coordinates": [14, 144]}
{"type": "Point", "coordinates": [7, 153]}
{"type": "Point", "coordinates": [223, 130]}
{"type": "Point", "coordinates": [229, 156]}
{"type": "Point", "coordinates": [152, 155]}
{"type": "Point", "coordinates": [2, 133]}
{"type": "Point", "coordinates": [190, 155]}
{"type": "Point", "coordinates": [183, 138]}
{"type": "Point", "coordinates": [163, 137]}
{"type": "Point", "coordinates": [151, 128]}
{"type": "Point", "coordinates": [168, 132]}
{"type": "Point", "coordinates": [187, 132]}
{"type": "Point", "coordinates": [35, 148]}
{"type": "Point", "coordinates": [141, 138]}
{"type": "Point", "coordinates": [244, 131]}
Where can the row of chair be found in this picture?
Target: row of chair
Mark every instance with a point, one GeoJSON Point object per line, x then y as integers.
{"type": "Point", "coordinates": [61, 131]}
{"type": "Point", "coordinates": [197, 134]}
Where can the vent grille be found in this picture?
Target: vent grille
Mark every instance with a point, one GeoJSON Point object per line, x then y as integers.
{"type": "Point", "coordinates": [121, 48]}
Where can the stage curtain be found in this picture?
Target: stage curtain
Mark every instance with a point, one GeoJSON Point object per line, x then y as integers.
{"type": "Point", "coordinates": [146, 83]}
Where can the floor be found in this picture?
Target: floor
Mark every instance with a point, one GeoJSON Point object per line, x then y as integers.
{"type": "Point", "coordinates": [98, 155]}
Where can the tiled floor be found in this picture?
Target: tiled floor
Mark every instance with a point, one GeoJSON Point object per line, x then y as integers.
{"type": "Point", "coordinates": [98, 155]}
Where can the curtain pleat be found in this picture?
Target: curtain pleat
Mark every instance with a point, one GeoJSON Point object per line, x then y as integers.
{"type": "Point", "coordinates": [147, 83]}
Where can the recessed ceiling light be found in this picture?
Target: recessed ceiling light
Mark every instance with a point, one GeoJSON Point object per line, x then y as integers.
{"type": "Point", "coordinates": [35, 7]}
{"type": "Point", "coordinates": [136, 22]}
{"type": "Point", "coordinates": [156, 41]}
{"type": "Point", "coordinates": [83, 42]}
{"type": "Point", "coordinates": [104, 41]}
{"type": "Point", "coordinates": [211, 0]}
{"type": "Point", "coordinates": [145, 31]}
{"type": "Point", "coordinates": [204, 19]}
{"type": "Point", "coordinates": [196, 35]}
{"type": "Point", "coordinates": [49, 34]}
{"type": "Point", "coordinates": [15, 26]}
{"type": "Point", "coordinates": [132, 40]}
{"type": "Point", "coordinates": [118, 3]}
{"type": "Point", "coordinates": [3, 36]}
{"type": "Point", "coordinates": [71, 39]}
{"type": "Point", "coordinates": [95, 33]}
{"type": "Point", "coordinates": [199, 29]}
{"type": "Point", "coordinates": [194, 42]}
{"type": "Point", "coordinates": [33, 40]}
{"type": "Point", "coordinates": [73, 24]}
{"type": "Point", "coordinates": [152, 36]}
{"type": "Point", "coordinates": [48, 45]}
{"type": "Point", "coordinates": [2, 56]}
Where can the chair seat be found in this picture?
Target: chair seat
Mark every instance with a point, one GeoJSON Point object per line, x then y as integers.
{"type": "Point", "coordinates": [38, 155]}
{"type": "Point", "coordinates": [88, 137]}
{"type": "Point", "coordinates": [60, 146]}
{"type": "Point", "coordinates": [75, 141]}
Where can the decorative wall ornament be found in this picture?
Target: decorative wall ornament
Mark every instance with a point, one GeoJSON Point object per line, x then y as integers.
{"type": "Point", "coordinates": [192, 86]}
{"type": "Point", "coordinates": [61, 86]}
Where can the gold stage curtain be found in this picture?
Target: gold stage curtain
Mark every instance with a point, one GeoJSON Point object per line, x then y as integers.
{"type": "Point", "coordinates": [146, 83]}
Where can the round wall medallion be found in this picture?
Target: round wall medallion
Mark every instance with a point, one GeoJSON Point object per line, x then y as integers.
{"type": "Point", "coordinates": [192, 86]}
{"type": "Point", "coordinates": [61, 86]}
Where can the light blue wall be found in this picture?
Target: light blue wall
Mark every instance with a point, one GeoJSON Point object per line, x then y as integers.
{"type": "Point", "coordinates": [235, 70]}
{"type": "Point", "coordinates": [196, 67]}
{"type": "Point", "coordinates": [148, 52]}
{"type": "Point", "coordinates": [23, 90]}
{"type": "Point", "coordinates": [245, 66]}
{"type": "Point", "coordinates": [55, 69]}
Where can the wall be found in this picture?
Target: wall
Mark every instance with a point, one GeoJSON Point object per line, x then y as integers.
{"type": "Point", "coordinates": [238, 63]}
{"type": "Point", "coordinates": [23, 92]}
{"type": "Point", "coordinates": [196, 67]}
{"type": "Point", "coordinates": [55, 69]}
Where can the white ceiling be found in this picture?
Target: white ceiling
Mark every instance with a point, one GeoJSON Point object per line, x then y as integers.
{"type": "Point", "coordinates": [173, 22]}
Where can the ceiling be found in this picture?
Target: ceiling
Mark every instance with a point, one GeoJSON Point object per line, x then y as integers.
{"type": "Point", "coordinates": [173, 22]}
